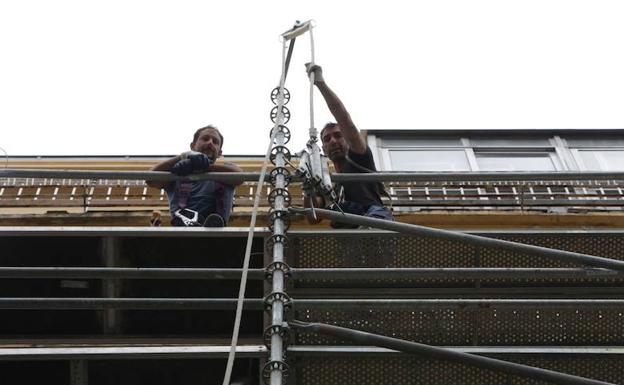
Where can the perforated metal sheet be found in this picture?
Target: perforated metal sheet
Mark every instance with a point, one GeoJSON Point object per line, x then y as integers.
{"type": "Point", "coordinates": [396, 251]}
{"type": "Point", "coordinates": [540, 325]}
{"type": "Point", "coordinates": [341, 370]}
{"type": "Point", "coordinates": [478, 326]}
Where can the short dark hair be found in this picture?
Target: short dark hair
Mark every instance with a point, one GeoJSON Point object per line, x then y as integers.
{"type": "Point", "coordinates": [210, 126]}
{"type": "Point", "coordinates": [327, 126]}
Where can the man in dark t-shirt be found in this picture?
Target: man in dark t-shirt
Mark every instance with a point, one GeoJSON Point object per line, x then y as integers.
{"type": "Point", "coordinates": [346, 148]}
{"type": "Point", "coordinates": [198, 203]}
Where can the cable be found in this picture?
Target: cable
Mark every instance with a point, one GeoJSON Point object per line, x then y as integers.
{"type": "Point", "coordinates": [313, 132]}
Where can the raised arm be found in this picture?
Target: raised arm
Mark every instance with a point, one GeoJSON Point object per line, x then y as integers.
{"type": "Point", "coordinates": [338, 110]}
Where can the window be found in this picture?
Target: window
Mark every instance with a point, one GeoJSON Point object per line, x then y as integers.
{"type": "Point", "coordinates": [521, 161]}
{"type": "Point", "coordinates": [476, 153]}
{"type": "Point", "coordinates": [522, 151]}
{"type": "Point", "coordinates": [602, 160]}
{"type": "Point", "coordinates": [428, 160]}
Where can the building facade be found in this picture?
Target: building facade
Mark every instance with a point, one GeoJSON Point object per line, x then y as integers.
{"type": "Point", "coordinates": [93, 296]}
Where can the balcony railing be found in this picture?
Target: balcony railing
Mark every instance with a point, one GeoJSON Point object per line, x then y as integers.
{"type": "Point", "coordinates": [404, 195]}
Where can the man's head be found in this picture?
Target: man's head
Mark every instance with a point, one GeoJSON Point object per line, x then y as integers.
{"type": "Point", "coordinates": [209, 141]}
{"type": "Point", "coordinates": [334, 144]}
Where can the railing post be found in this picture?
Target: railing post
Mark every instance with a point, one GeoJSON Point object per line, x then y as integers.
{"type": "Point", "coordinates": [79, 372]}
{"type": "Point", "coordinates": [111, 288]}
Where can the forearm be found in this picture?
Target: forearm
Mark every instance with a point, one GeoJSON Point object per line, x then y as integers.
{"type": "Point", "coordinates": [163, 166]}
{"type": "Point", "coordinates": [335, 105]}
{"type": "Point", "coordinates": [226, 167]}
{"type": "Point", "coordinates": [343, 118]}
{"type": "Point", "coordinates": [167, 164]}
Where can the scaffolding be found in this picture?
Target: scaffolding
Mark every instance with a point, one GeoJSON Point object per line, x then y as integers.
{"type": "Point", "coordinates": [276, 272]}
{"type": "Point", "coordinates": [277, 331]}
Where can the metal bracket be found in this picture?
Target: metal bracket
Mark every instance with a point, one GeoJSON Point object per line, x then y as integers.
{"type": "Point", "coordinates": [277, 296]}
{"type": "Point", "coordinates": [275, 266]}
{"type": "Point", "coordinates": [273, 239]}
{"type": "Point", "coordinates": [284, 215]}
{"type": "Point", "coordinates": [279, 192]}
{"type": "Point", "coordinates": [274, 365]}
{"type": "Point", "coordinates": [283, 331]}
{"type": "Point", "coordinates": [280, 171]}
{"type": "Point", "coordinates": [279, 149]}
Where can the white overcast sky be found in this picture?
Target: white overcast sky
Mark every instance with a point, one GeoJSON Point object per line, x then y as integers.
{"type": "Point", "coordinates": [138, 77]}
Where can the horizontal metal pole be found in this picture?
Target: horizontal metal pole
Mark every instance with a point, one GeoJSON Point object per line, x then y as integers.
{"type": "Point", "coordinates": [156, 176]}
{"type": "Point", "coordinates": [128, 303]}
{"type": "Point", "coordinates": [233, 177]}
{"type": "Point", "coordinates": [475, 176]}
{"type": "Point", "coordinates": [129, 273]}
{"type": "Point", "coordinates": [467, 203]}
{"type": "Point", "coordinates": [443, 303]}
{"type": "Point", "coordinates": [325, 304]}
{"type": "Point", "coordinates": [338, 274]}
{"type": "Point", "coordinates": [238, 232]}
{"type": "Point", "coordinates": [444, 354]}
{"type": "Point", "coordinates": [450, 201]}
{"type": "Point", "coordinates": [129, 231]}
{"type": "Point", "coordinates": [404, 228]}
{"type": "Point", "coordinates": [129, 352]}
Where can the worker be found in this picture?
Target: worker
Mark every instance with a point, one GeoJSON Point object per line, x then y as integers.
{"type": "Point", "coordinates": [199, 203]}
{"type": "Point", "coordinates": [344, 145]}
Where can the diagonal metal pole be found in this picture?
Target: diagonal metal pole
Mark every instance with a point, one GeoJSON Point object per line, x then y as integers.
{"type": "Point", "coordinates": [404, 228]}
{"type": "Point", "coordinates": [435, 352]}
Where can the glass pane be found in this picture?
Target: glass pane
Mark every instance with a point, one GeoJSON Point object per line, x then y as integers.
{"type": "Point", "coordinates": [515, 162]}
{"type": "Point", "coordinates": [605, 141]}
{"type": "Point", "coordinates": [603, 160]}
{"type": "Point", "coordinates": [421, 142]}
{"type": "Point", "coordinates": [509, 141]}
{"type": "Point", "coordinates": [429, 160]}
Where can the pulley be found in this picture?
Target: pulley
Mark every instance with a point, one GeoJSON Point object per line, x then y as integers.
{"type": "Point", "coordinates": [285, 114]}
{"type": "Point", "coordinates": [276, 93]}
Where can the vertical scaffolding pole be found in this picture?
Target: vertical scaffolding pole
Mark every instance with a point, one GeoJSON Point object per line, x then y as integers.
{"type": "Point", "coordinates": [276, 302]}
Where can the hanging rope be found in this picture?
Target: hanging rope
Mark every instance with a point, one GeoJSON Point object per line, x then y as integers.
{"type": "Point", "coordinates": [313, 132]}
{"type": "Point", "coordinates": [254, 213]}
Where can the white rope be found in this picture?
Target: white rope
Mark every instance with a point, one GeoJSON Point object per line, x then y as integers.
{"type": "Point", "coordinates": [243, 284]}
{"type": "Point", "coordinates": [313, 132]}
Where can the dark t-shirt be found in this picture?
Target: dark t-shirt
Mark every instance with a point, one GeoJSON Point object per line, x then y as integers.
{"type": "Point", "coordinates": [205, 197]}
{"type": "Point", "coordinates": [364, 193]}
